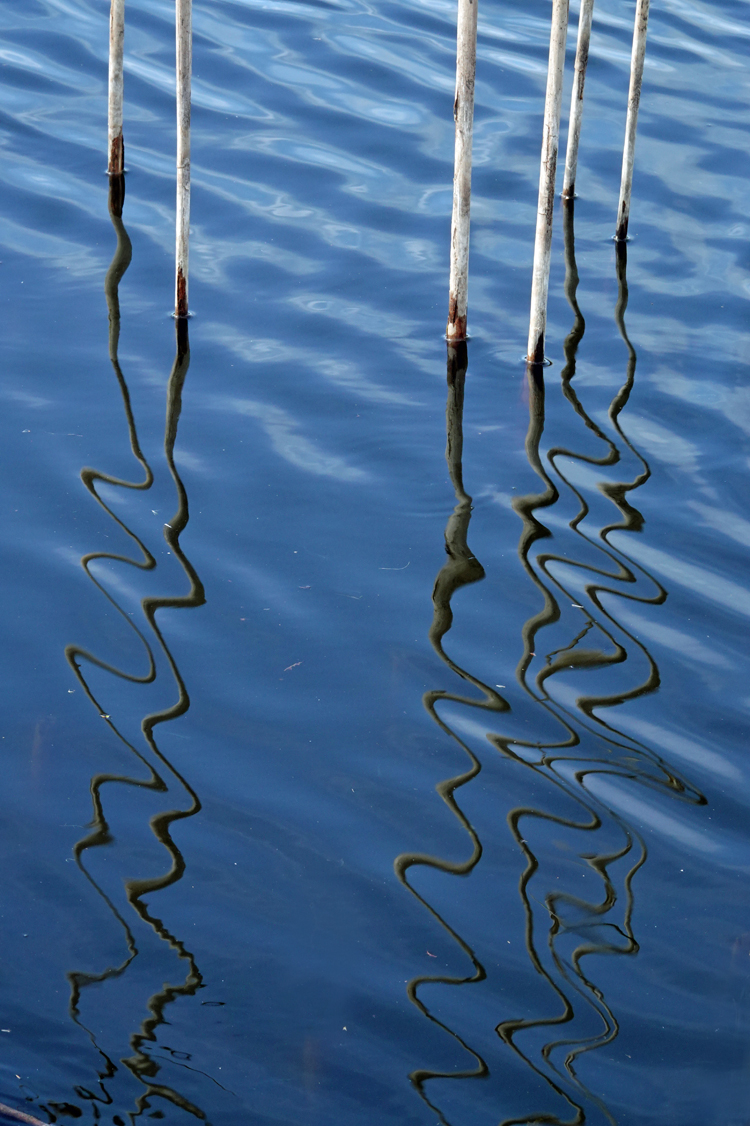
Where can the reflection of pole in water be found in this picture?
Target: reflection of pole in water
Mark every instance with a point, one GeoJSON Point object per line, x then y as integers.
{"type": "Point", "coordinates": [547, 170]}
{"type": "Point", "coordinates": [588, 745]}
{"type": "Point", "coordinates": [631, 124]}
{"type": "Point", "coordinates": [463, 112]}
{"type": "Point", "coordinates": [460, 569]}
{"type": "Point", "coordinates": [160, 773]}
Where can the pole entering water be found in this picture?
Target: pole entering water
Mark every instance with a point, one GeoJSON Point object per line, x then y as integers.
{"type": "Point", "coordinates": [463, 112]}
{"type": "Point", "coordinates": [634, 98]}
{"type": "Point", "coordinates": [576, 100]}
{"type": "Point", "coordinates": [184, 30]}
{"type": "Point", "coordinates": [116, 148]}
{"type": "Point", "coordinates": [550, 140]}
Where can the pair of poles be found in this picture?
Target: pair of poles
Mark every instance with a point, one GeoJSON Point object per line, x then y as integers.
{"type": "Point", "coordinates": [463, 111]}
{"type": "Point", "coordinates": [116, 166]}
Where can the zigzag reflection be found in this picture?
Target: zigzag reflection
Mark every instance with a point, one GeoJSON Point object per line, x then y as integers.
{"type": "Point", "coordinates": [461, 568]}
{"type": "Point", "coordinates": [588, 745]}
{"type": "Point", "coordinates": [160, 773]}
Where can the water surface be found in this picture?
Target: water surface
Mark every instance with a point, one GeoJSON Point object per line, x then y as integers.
{"type": "Point", "coordinates": [346, 782]}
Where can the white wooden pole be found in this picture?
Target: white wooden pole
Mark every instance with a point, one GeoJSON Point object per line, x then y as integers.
{"type": "Point", "coordinates": [634, 97]}
{"type": "Point", "coordinates": [184, 32]}
{"type": "Point", "coordinates": [463, 112]}
{"type": "Point", "coordinates": [576, 99]}
{"type": "Point", "coordinates": [115, 147]}
{"type": "Point", "coordinates": [548, 168]}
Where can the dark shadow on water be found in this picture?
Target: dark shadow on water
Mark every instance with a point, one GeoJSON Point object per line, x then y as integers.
{"type": "Point", "coordinates": [562, 927]}
{"type": "Point", "coordinates": [158, 774]}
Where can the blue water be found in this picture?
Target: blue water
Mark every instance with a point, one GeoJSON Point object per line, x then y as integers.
{"type": "Point", "coordinates": [269, 683]}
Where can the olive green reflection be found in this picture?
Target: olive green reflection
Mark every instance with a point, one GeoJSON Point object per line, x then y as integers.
{"type": "Point", "coordinates": [158, 774]}
{"type": "Point", "coordinates": [460, 568]}
{"type": "Point", "coordinates": [562, 927]}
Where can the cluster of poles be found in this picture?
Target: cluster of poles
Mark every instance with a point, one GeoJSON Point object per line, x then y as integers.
{"type": "Point", "coordinates": [466, 55]}
{"type": "Point", "coordinates": [116, 144]}
{"type": "Point", "coordinates": [463, 110]}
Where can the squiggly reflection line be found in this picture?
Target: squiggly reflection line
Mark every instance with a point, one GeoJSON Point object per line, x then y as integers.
{"type": "Point", "coordinates": [157, 765]}
{"type": "Point", "coordinates": [588, 745]}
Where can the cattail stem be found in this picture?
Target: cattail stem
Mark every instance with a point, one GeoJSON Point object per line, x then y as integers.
{"type": "Point", "coordinates": [463, 112]}
{"type": "Point", "coordinates": [548, 169]}
{"type": "Point", "coordinates": [631, 124]}
{"type": "Point", "coordinates": [184, 31]}
{"type": "Point", "coordinates": [116, 148]}
{"type": "Point", "coordinates": [576, 99]}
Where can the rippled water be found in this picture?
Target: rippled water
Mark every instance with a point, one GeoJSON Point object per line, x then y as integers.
{"type": "Point", "coordinates": [234, 836]}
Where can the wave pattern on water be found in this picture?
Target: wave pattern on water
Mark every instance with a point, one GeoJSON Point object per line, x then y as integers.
{"type": "Point", "coordinates": [322, 150]}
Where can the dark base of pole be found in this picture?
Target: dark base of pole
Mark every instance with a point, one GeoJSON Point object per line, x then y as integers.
{"type": "Point", "coordinates": [181, 331]}
{"type": "Point", "coordinates": [116, 157]}
{"type": "Point", "coordinates": [181, 302]}
{"type": "Point", "coordinates": [537, 356]}
{"type": "Point", "coordinates": [621, 233]}
{"type": "Point", "coordinates": [116, 195]}
{"type": "Point", "coordinates": [458, 361]}
{"type": "Point", "coordinates": [455, 330]}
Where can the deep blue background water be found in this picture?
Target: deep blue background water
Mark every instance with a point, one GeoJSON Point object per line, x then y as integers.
{"type": "Point", "coordinates": [270, 983]}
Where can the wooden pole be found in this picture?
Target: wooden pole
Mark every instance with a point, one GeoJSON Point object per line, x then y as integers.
{"type": "Point", "coordinates": [634, 97]}
{"type": "Point", "coordinates": [576, 99]}
{"type": "Point", "coordinates": [463, 113]}
{"type": "Point", "coordinates": [548, 169]}
{"type": "Point", "coordinates": [184, 32]}
{"type": "Point", "coordinates": [115, 147]}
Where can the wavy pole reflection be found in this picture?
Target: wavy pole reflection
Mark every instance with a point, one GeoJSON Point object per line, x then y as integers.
{"type": "Point", "coordinates": [158, 773]}
{"type": "Point", "coordinates": [565, 767]}
{"type": "Point", "coordinates": [460, 569]}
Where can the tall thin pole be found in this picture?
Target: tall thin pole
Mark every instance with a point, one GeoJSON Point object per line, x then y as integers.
{"type": "Point", "coordinates": [548, 169]}
{"type": "Point", "coordinates": [184, 31]}
{"type": "Point", "coordinates": [115, 146]}
{"type": "Point", "coordinates": [463, 112]}
{"type": "Point", "coordinates": [576, 99]}
{"type": "Point", "coordinates": [634, 97]}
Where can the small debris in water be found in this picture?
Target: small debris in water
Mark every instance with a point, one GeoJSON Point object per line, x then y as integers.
{"type": "Point", "coordinates": [432, 955]}
{"type": "Point", "coordinates": [287, 669]}
{"type": "Point", "coordinates": [104, 715]}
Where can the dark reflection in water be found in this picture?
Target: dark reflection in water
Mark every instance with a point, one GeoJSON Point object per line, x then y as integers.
{"type": "Point", "coordinates": [562, 927]}
{"type": "Point", "coordinates": [158, 774]}
{"type": "Point", "coordinates": [460, 569]}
